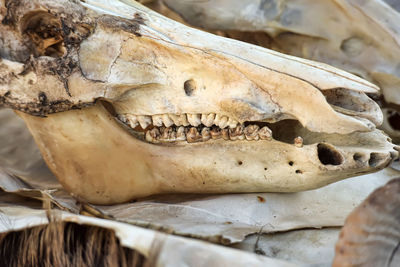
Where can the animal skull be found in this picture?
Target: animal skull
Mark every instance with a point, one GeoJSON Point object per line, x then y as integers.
{"type": "Point", "coordinates": [124, 103]}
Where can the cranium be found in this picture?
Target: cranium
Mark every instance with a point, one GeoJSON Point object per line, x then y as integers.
{"type": "Point", "coordinates": [124, 103]}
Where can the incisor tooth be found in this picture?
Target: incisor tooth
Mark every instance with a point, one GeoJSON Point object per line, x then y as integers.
{"type": "Point", "coordinates": [167, 120]}
{"type": "Point", "coordinates": [194, 119]}
{"type": "Point", "coordinates": [223, 122]}
{"type": "Point", "coordinates": [205, 133]}
{"type": "Point", "coordinates": [180, 134]}
{"type": "Point", "coordinates": [251, 132]}
{"type": "Point", "coordinates": [208, 120]}
{"type": "Point", "coordinates": [265, 133]}
{"type": "Point", "coordinates": [131, 120]}
{"type": "Point", "coordinates": [157, 120]}
{"type": "Point", "coordinates": [232, 123]}
{"type": "Point", "coordinates": [144, 121]}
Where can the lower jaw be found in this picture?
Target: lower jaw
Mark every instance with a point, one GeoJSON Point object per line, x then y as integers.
{"type": "Point", "coordinates": [98, 161]}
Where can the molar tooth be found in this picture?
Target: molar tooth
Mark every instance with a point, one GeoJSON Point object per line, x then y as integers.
{"type": "Point", "coordinates": [157, 120]}
{"type": "Point", "coordinates": [144, 121]}
{"type": "Point", "coordinates": [193, 135]}
{"type": "Point", "coordinates": [180, 134]}
{"type": "Point", "coordinates": [232, 123]}
{"type": "Point", "coordinates": [215, 133]}
{"type": "Point", "coordinates": [217, 119]}
{"type": "Point", "coordinates": [208, 119]}
{"type": "Point", "coordinates": [167, 120]}
{"type": "Point", "coordinates": [237, 133]}
{"type": "Point", "coordinates": [194, 119]}
{"type": "Point", "coordinates": [184, 120]}
{"type": "Point", "coordinates": [265, 133]}
{"type": "Point", "coordinates": [153, 135]}
{"type": "Point", "coordinates": [169, 134]}
{"type": "Point", "coordinates": [298, 141]}
{"type": "Point", "coordinates": [251, 132]}
{"type": "Point", "coordinates": [223, 122]}
{"type": "Point", "coordinates": [176, 119]}
{"type": "Point", "coordinates": [225, 134]}
{"type": "Point", "coordinates": [205, 133]}
{"type": "Point", "coordinates": [131, 120]}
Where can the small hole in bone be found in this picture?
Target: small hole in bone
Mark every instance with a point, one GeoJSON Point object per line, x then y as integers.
{"type": "Point", "coordinates": [376, 159]}
{"type": "Point", "coordinates": [358, 157]}
{"type": "Point", "coordinates": [394, 121]}
{"type": "Point", "coordinates": [189, 86]}
{"type": "Point", "coordinates": [299, 171]}
{"type": "Point", "coordinates": [328, 155]}
{"type": "Point", "coordinates": [265, 168]}
{"type": "Point", "coordinates": [291, 163]}
{"type": "Point", "coordinates": [239, 162]}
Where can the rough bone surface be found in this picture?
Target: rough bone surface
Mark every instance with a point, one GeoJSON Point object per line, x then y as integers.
{"type": "Point", "coordinates": [125, 103]}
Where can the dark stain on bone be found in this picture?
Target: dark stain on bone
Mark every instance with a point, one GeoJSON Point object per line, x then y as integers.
{"type": "Point", "coordinates": [42, 98]}
{"type": "Point", "coordinates": [189, 86]}
{"type": "Point", "coordinates": [127, 25]}
{"type": "Point", "coordinates": [329, 155]}
{"type": "Point", "coordinates": [261, 199]}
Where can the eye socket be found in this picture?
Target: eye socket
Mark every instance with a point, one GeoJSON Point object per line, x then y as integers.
{"type": "Point", "coordinates": [189, 86]}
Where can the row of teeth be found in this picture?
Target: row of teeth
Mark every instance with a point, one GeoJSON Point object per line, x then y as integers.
{"type": "Point", "coordinates": [168, 120]}
{"type": "Point", "coordinates": [193, 134]}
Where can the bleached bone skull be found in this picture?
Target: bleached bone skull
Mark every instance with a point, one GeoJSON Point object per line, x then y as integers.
{"type": "Point", "coordinates": [362, 37]}
{"type": "Point", "coordinates": [124, 103]}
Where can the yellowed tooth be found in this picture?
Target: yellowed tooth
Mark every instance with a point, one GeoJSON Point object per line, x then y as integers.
{"type": "Point", "coordinates": [167, 120]}
{"type": "Point", "coordinates": [176, 119]}
{"type": "Point", "coordinates": [251, 132]}
{"type": "Point", "coordinates": [168, 134]}
{"type": "Point", "coordinates": [265, 133]}
{"type": "Point", "coordinates": [193, 135]}
{"type": "Point", "coordinates": [298, 141]}
{"type": "Point", "coordinates": [236, 133]}
{"type": "Point", "coordinates": [194, 119]}
{"type": "Point", "coordinates": [223, 122]}
{"type": "Point", "coordinates": [208, 119]}
{"type": "Point", "coordinates": [144, 121]}
{"type": "Point", "coordinates": [153, 135]}
{"type": "Point", "coordinates": [205, 133]}
{"type": "Point", "coordinates": [131, 120]}
{"type": "Point", "coordinates": [232, 123]}
{"type": "Point", "coordinates": [180, 134]}
{"type": "Point", "coordinates": [184, 120]}
{"type": "Point", "coordinates": [215, 133]}
{"type": "Point", "coordinates": [225, 134]}
{"type": "Point", "coordinates": [157, 120]}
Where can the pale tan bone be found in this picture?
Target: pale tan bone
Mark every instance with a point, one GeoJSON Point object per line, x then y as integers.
{"type": "Point", "coordinates": [143, 64]}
